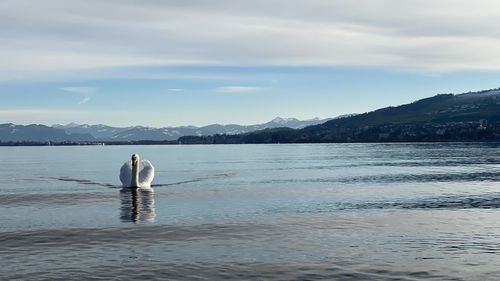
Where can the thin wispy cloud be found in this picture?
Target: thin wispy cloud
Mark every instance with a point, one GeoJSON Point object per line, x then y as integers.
{"type": "Point", "coordinates": [84, 100]}
{"type": "Point", "coordinates": [86, 92]}
{"type": "Point", "coordinates": [176, 90]}
{"type": "Point", "coordinates": [79, 90]}
{"type": "Point", "coordinates": [422, 35]}
{"type": "Point", "coordinates": [236, 89]}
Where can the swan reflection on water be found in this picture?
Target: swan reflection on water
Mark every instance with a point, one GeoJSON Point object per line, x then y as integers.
{"type": "Point", "coordinates": [137, 205]}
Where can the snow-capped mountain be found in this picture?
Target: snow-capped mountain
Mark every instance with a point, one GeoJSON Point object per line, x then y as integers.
{"type": "Point", "coordinates": [97, 131]}
{"type": "Point", "coordinates": [292, 123]}
{"type": "Point", "coordinates": [39, 133]}
{"type": "Point", "coordinates": [108, 133]}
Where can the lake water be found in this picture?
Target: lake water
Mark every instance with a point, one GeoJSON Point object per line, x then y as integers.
{"type": "Point", "coordinates": [273, 212]}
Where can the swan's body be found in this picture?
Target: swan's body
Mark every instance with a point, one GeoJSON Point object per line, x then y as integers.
{"type": "Point", "coordinates": [136, 173]}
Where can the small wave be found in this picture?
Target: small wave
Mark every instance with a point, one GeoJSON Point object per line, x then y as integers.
{"type": "Point", "coordinates": [394, 178]}
{"type": "Point", "coordinates": [53, 199]}
{"type": "Point", "coordinates": [198, 179]}
{"type": "Point", "coordinates": [95, 183]}
{"type": "Point", "coordinates": [146, 270]}
{"type": "Point", "coordinates": [487, 201]}
{"type": "Point", "coordinates": [36, 240]}
{"type": "Point", "coordinates": [405, 163]}
{"type": "Point", "coordinates": [455, 202]}
{"type": "Point", "coordinates": [82, 181]}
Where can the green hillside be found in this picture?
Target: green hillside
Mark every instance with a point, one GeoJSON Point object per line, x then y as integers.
{"type": "Point", "coordinates": [471, 116]}
{"type": "Point", "coordinates": [438, 109]}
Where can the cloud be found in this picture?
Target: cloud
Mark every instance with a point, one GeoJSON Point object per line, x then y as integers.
{"type": "Point", "coordinates": [56, 38]}
{"type": "Point", "coordinates": [176, 90]}
{"type": "Point", "coordinates": [84, 100]}
{"type": "Point", "coordinates": [86, 91]}
{"type": "Point", "coordinates": [79, 90]}
{"type": "Point", "coordinates": [236, 89]}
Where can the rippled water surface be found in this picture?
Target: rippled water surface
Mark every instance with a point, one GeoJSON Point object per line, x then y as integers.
{"type": "Point", "coordinates": [273, 212]}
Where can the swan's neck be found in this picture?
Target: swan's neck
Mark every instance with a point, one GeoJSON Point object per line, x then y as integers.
{"type": "Point", "coordinates": [135, 176]}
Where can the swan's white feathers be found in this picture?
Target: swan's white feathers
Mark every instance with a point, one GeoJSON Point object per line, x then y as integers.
{"type": "Point", "coordinates": [126, 173]}
{"type": "Point", "coordinates": [146, 173]}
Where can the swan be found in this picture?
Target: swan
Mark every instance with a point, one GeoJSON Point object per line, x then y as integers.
{"type": "Point", "coordinates": [136, 173]}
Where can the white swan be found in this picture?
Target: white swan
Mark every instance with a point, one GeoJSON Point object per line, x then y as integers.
{"type": "Point", "coordinates": [136, 173]}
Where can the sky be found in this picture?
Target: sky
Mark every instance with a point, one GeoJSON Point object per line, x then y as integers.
{"type": "Point", "coordinates": [169, 63]}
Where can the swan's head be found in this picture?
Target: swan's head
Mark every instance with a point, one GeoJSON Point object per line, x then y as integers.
{"type": "Point", "coordinates": [135, 159]}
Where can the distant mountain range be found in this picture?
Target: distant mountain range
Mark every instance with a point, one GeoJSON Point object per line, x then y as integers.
{"type": "Point", "coordinates": [473, 116]}
{"type": "Point", "coordinates": [38, 133]}
{"type": "Point", "coordinates": [75, 132]}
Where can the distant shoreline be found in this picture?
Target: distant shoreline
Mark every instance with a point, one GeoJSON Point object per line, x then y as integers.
{"type": "Point", "coordinates": [86, 143]}
{"type": "Point", "coordinates": [14, 144]}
